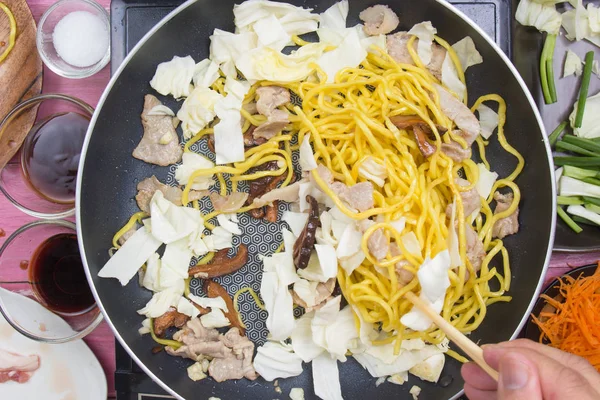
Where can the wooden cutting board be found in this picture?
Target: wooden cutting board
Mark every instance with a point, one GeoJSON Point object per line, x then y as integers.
{"type": "Point", "coordinates": [20, 77]}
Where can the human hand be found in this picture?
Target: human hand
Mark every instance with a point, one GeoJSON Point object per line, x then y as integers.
{"type": "Point", "coordinates": [531, 371]}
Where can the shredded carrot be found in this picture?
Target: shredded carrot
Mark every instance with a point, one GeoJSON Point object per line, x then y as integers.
{"type": "Point", "coordinates": [574, 326]}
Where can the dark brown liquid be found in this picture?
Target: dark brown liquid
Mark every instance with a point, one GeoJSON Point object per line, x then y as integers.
{"type": "Point", "coordinates": [24, 264]}
{"type": "Point", "coordinates": [2, 232]}
{"type": "Point", "coordinates": [51, 156]}
{"type": "Point", "coordinates": [57, 275]}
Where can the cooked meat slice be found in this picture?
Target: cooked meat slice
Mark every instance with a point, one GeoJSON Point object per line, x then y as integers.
{"type": "Point", "coordinates": [250, 108]}
{"type": "Point", "coordinates": [475, 251]}
{"type": "Point", "coordinates": [275, 124]}
{"type": "Point", "coordinates": [221, 267]}
{"type": "Point", "coordinates": [507, 225]}
{"type": "Point", "coordinates": [236, 365]}
{"type": "Point", "coordinates": [458, 112]}
{"type": "Point", "coordinates": [325, 175]}
{"type": "Point", "coordinates": [197, 194]}
{"type": "Point", "coordinates": [213, 289]}
{"type": "Point", "coordinates": [359, 196]}
{"type": "Point", "coordinates": [379, 20]}
{"type": "Point", "coordinates": [160, 143]}
{"type": "Point", "coordinates": [229, 203]}
{"type": "Point", "coordinates": [149, 186]}
{"type": "Point", "coordinates": [288, 194]}
{"type": "Point", "coordinates": [403, 274]}
{"type": "Point", "coordinates": [195, 329]}
{"type": "Point", "coordinates": [470, 199]}
{"type": "Point", "coordinates": [169, 319]}
{"type": "Point", "coordinates": [306, 241]}
{"type": "Point", "coordinates": [324, 292]}
{"type": "Point", "coordinates": [271, 97]}
{"type": "Point", "coordinates": [397, 46]}
{"type": "Point", "coordinates": [455, 151]}
{"type": "Point", "coordinates": [378, 244]}
{"type": "Point", "coordinates": [127, 235]}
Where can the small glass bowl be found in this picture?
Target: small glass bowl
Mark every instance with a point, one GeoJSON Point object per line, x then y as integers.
{"type": "Point", "coordinates": [13, 177]}
{"type": "Point", "coordinates": [45, 44]}
{"type": "Point", "coordinates": [21, 301]}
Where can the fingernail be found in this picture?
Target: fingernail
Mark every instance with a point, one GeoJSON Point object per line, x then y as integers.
{"type": "Point", "coordinates": [514, 374]}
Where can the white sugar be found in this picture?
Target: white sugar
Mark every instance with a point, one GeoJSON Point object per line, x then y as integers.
{"type": "Point", "coordinates": [81, 38]}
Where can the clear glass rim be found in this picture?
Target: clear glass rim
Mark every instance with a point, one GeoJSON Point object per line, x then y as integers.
{"type": "Point", "coordinates": [15, 112]}
{"type": "Point", "coordinates": [92, 70]}
{"type": "Point", "coordinates": [77, 335]}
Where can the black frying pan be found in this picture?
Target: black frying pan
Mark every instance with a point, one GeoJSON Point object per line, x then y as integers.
{"type": "Point", "coordinates": [109, 175]}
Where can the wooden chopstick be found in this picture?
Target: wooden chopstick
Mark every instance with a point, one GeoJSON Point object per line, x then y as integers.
{"type": "Point", "coordinates": [463, 342]}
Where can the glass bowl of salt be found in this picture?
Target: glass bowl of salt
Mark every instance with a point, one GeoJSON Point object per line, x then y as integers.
{"type": "Point", "coordinates": [73, 38]}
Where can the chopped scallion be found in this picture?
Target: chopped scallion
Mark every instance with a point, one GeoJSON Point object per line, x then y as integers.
{"type": "Point", "coordinates": [585, 85]}
{"type": "Point", "coordinates": [572, 224]}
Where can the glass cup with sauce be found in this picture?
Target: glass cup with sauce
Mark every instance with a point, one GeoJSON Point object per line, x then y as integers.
{"type": "Point", "coordinates": [40, 181]}
{"type": "Point", "coordinates": [41, 274]}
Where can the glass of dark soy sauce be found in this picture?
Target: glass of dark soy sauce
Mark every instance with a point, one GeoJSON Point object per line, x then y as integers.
{"type": "Point", "coordinates": [41, 179]}
{"type": "Point", "coordinates": [40, 263]}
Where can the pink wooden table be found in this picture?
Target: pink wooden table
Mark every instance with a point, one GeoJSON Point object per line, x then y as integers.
{"type": "Point", "coordinates": [101, 341]}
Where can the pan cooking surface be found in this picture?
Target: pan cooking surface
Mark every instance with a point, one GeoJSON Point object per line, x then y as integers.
{"type": "Point", "coordinates": [110, 175]}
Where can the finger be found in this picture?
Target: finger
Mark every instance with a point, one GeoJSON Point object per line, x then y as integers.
{"type": "Point", "coordinates": [477, 378]}
{"type": "Point", "coordinates": [518, 378]}
{"type": "Point", "coordinates": [577, 363]}
{"type": "Point", "coordinates": [477, 394]}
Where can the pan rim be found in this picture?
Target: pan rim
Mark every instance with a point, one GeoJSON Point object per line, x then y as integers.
{"type": "Point", "coordinates": [188, 3]}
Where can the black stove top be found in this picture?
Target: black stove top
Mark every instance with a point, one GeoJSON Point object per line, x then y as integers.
{"type": "Point", "coordinates": [132, 19]}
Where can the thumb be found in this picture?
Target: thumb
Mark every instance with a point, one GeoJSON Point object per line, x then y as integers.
{"type": "Point", "coordinates": [518, 378]}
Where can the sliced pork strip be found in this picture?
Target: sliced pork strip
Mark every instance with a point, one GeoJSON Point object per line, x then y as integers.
{"type": "Point", "coordinates": [359, 196]}
{"type": "Point", "coordinates": [160, 143]}
{"type": "Point", "coordinates": [454, 150]}
{"type": "Point", "coordinates": [475, 250]}
{"type": "Point", "coordinates": [458, 112]}
{"type": "Point", "coordinates": [324, 291]}
{"type": "Point", "coordinates": [271, 97]}
{"type": "Point", "coordinates": [507, 225]}
{"type": "Point", "coordinates": [277, 121]}
{"type": "Point", "coordinates": [379, 20]}
{"type": "Point", "coordinates": [238, 363]}
{"type": "Point", "coordinates": [397, 46]}
{"type": "Point", "coordinates": [149, 186]}
{"type": "Point", "coordinates": [470, 199]}
{"type": "Point", "coordinates": [378, 244]}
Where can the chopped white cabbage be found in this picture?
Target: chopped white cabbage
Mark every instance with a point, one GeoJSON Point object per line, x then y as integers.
{"type": "Point", "coordinates": [399, 224]}
{"type": "Point", "coordinates": [324, 232]}
{"type": "Point", "coordinates": [415, 391]}
{"type": "Point", "coordinates": [372, 44]}
{"type": "Point", "coordinates": [308, 188]}
{"type": "Point", "coordinates": [392, 364]}
{"type": "Point", "coordinates": [228, 225]}
{"type": "Point", "coordinates": [351, 263]}
{"type": "Point", "coordinates": [186, 307]}
{"type": "Point", "coordinates": [349, 54]}
{"type": "Point", "coordinates": [227, 47]}
{"type": "Point", "coordinates": [274, 361]}
{"type": "Point", "coordinates": [307, 157]}
{"type": "Point", "coordinates": [453, 243]}
{"type": "Point", "coordinates": [486, 181]}
{"type": "Point", "coordinates": [593, 17]}
{"type": "Point", "coordinates": [295, 220]}
{"type": "Point", "coordinates": [198, 110]}
{"type": "Point", "coordinates": [349, 243]}
{"type": "Point", "coordinates": [590, 125]}
{"type": "Point", "coordinates": [313, 272]}
{"type": "Point", "coordinates": [326, 378]}
{"type": "Point", "coordinates": [399, 378]}
{"type": "Point", "coordinates": [215, 319]}
{"type": "Point", "coordinates": [373, 170]}
{"type": "Point", "coordinates": [283, 264]}
{"type": "Point", "coordinates": [160, 110]}
{"type": "Point", "coordinates": [335, 16]}
{"type": "Point", "coordinates": [338, 227]}
{"type": "Point", "coordinates": [174, 77]}
{"type": "Point", "coordinates": [264, 63]}
{"type": "Point", "coordinates": [573, 64]}
{"type": "Point", "coordinates": [467, 53]}
{"type": "Point", "coordinates": [411, 243]}
{"type": "Point", "coordinates": [190, 163]}
{"type": "Point", "coordinates": [279, 305]}
{"type": "Point", "coordinates": [195, 372]}
{"type": "Point", "coordinates": [335, 331]}
{"type": "Point", "coordinates": [238, 89]}
{"type": "Point", "coordinates": [151, 277]}
{"type": "Point", "coordinates": [429, 369]}
{"type": "Point", "coordinates": [205, 73]}
{"type": "Point", "coordinates": [161, 301]}
{"type": "Point", "coordinates": [450, 78]}
{"type": "Point", "coordinates": [126, 262]}
{"type": "Point", "coordinates": [327, 259]}
{"type": "Point", "coordinates": [302, 341]}
{"type": "Point", "coordinates": [170, 222]}
{"type": "Point", "coordinates": [542, 16]}
{"type": "Point", "coordinates": [425, 32]}
{"type": "Point", "coordinates": [271, 33]}
{"type": "Point", "coordinates": [297, 394]}
{"type": "Point", "coordinates": [488, 121]}
{"type": "Point", "coordinates": [175, 263]}
{"type": "Point", "coordinates": [434, 280]}
{"type": "Point", "coordinates": [295, 20]}
{"type": "Point", "coordinates": [338, 215]}
{"type": "Point", "coordinates": [209, 302]}
{"type": "Point", "coordinates": [306, 291]}
{"type": "Point", "coordinates": [229, 140]}
{"type": "Point", "coordinates": [220, 239]}
{"type": "Point", "coordinates": [145, 326]}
